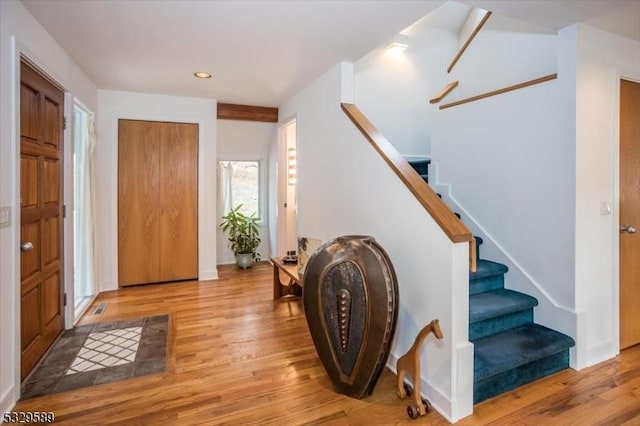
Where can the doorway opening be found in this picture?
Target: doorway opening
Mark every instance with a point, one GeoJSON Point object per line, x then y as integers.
{"type": "Point", "coordinates": [287, 239]}
{"type": "Point", "coordinates": [84, 140]}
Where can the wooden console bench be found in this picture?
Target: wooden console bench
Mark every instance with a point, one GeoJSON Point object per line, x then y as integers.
{"type": "Point", "coordinates": [293, 286]}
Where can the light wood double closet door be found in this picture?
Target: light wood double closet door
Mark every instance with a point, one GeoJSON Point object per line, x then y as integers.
{"type": "Point", "coordinates": [157, 202]}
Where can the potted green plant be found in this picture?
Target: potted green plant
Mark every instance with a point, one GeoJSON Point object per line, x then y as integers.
{"type": "Point", "coordinates": [244, 236]}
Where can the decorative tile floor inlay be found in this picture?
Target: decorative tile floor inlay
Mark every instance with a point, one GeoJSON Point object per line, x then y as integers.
{"type": "Point", "coordinates": [101, 353]}
{"type": "Point", "coordinates": [106, 349]}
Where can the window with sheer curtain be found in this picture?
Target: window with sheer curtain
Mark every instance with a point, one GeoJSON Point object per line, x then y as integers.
{"type": "Point", "coordinates": [239, 183]}
{"type": "Point", "coordinates": [84, 139]}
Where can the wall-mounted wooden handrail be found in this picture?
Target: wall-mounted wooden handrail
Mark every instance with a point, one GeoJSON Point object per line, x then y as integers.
{"type": "Point", "coordinates": [501, 91]}
{"type": "Point", "coordinates": [444, 217]}
{"type": "Point", "coordinates": [444, 92]}
{"type": "Point", "coordinates": [469, 39]}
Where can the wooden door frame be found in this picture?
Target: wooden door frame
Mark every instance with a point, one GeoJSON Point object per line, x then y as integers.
{"type": "Point", "coordinates": [629, 75]}
{"type": "Point", "coordinates": [22, 55]}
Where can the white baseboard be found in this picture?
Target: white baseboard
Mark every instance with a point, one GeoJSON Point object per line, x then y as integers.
{"type": "Point", "coordinates": [108, 285]}
{"type": "Point", "coordinates": [438, 398]}
{"type": "Point", "coordinates": [415, 157]}
{"type": "Point", "coordinates": [226, 260]}
{"type": "Point", "coordinates": [8, 401]}
{"type": "Point", "coordinates": [77, 316]}
{"type": "Point", "coordinates": [601, 352]}
{"type": "Point", "coordinates": [462, 383]}
{"type": "Point", "coordinates": [209, 275]}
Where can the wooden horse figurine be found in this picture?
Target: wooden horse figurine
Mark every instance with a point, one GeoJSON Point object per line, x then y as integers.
{"type": "Point", "coordinates": [410, 362]}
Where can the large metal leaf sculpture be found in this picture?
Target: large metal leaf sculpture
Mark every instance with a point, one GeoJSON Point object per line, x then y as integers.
{"type": "Point", "coordinates": [350, 296]}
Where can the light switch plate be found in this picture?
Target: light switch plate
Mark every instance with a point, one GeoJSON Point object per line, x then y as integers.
{"type": "Point", "coordinates": [605, 208]}
{"type": "Point", "coordinates": [5, 216]}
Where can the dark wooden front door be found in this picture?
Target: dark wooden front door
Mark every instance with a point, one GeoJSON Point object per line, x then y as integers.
{"type": "Point", "coordinates": [41, 183]}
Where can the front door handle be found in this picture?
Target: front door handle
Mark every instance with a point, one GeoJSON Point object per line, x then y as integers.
{"type": "Point", "coordinates": [28, 246]}
{"type": "Point", "coordinates": [628, 229]}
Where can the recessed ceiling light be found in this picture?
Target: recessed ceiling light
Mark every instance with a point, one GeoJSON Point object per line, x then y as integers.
{"type": "Point", "coordinates": [201, 74]}
{"type": "Point", "coordinates": [399, 44]}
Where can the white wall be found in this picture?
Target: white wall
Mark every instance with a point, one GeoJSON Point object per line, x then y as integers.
{"type": "Point", "coordinates": [602, 59]}
{"type": "Point", "coordinates": [393, 90]}
{"type": "Point", "coordinates": [505, 52]}
{"type": "Point", "coordinates": [246, 140]}
{"type": "Point", "coordinates": [507, 163]}
{"type": "Point", "coordinates": [470, 24]}
{"type": "Point", "coordinates": [346, 188]}
{"type": "Point", "coordinates": [557, 144]}
{"type": "Point", "coordinates": [509, 160]}
{"type": "Point", "coordinates": [114, 105]}
{"type": "Point", "coordinates": [20, 33]}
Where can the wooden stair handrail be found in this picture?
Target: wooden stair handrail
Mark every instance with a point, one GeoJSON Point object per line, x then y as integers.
{"type": "Point", "coordinates": [444, 92]}
{"type": "Point", "coordinates": [473, 255]}
{"type": "Point", "coordinates": [444, 217]}
{"type": "Point", "coordinates": [469, 40]}
{"type": "Point", "coordinates": [501, 91]}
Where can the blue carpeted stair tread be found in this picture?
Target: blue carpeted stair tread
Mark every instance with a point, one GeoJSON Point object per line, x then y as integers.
{"type": "Point", "coordinates": [511, 349]}
{"type": "Point", "coordinates": [479, 242]}
{"type": "Point", "coordinates": [487, 268]}
{"type": "Point", "coordinates": [420, 166]}
{"type": "Point", "coordinates": [498, 302]}
{"type": "Point", "coordinates": [480, 329]}
{"type": "Point", "coordinates": [511, 379]}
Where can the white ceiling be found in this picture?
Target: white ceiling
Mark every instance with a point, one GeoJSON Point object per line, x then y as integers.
{"type": "Point", "coordinates": [261, 52]}
{"type": "Point", "coordinates": [615, 16]}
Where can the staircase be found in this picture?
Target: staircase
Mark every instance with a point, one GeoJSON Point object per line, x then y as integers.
{"type": "Point", "coordinates": [509, 348]}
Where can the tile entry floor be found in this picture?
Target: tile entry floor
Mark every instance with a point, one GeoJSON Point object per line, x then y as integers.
{"type": "Point", "coordinates": [100, 353]}
{"type": "Point", "coordinates": [106, 349]}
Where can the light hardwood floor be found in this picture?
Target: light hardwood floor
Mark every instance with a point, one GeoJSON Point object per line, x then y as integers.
{"type": "Point", "coordinates": [238, 358]}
